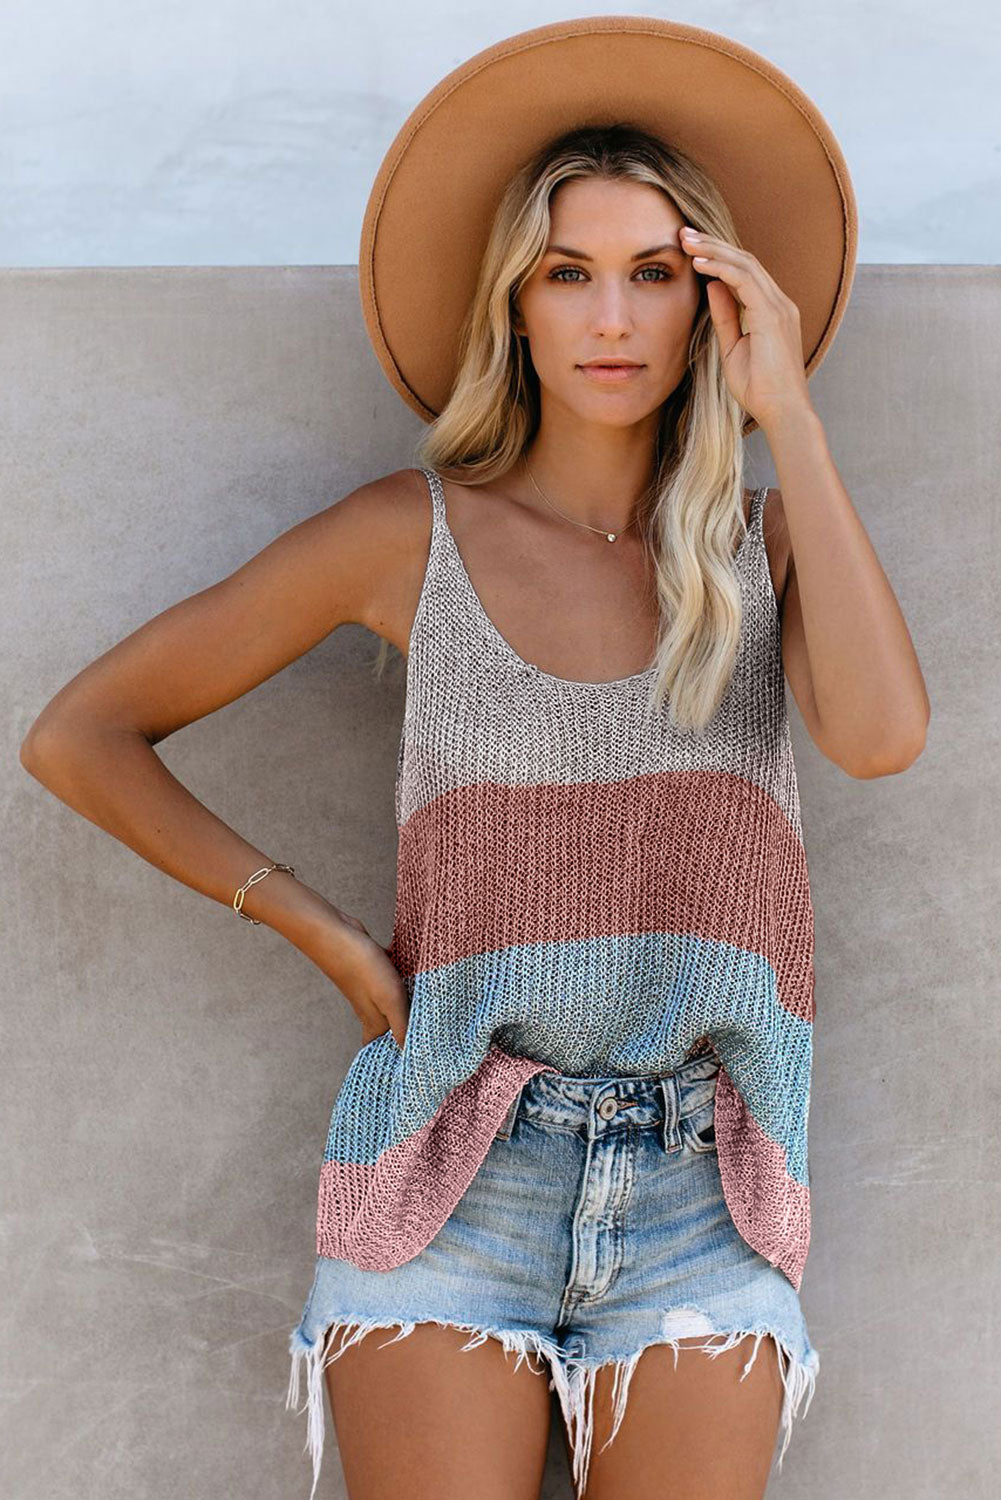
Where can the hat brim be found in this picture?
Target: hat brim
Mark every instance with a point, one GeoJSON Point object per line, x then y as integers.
{"type": "Point", "coordinates": [766, 145]}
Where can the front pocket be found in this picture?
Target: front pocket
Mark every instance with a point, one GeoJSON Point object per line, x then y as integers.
{"type": "Point", "coordinates": [699, 1128]}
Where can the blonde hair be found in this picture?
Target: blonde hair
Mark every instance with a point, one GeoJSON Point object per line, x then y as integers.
{"type": "Point", "coordinates": [692, 516]}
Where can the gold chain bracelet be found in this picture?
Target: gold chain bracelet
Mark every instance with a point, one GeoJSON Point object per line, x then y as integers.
{"type": "Point", "coordinates": [257, 875]}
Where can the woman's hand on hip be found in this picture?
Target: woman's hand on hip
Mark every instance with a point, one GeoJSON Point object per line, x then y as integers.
{"type": "Point", "coordinates": [364, 973]}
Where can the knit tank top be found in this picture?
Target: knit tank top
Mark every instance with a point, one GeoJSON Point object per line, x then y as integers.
{"type": "Point", "coordinates": [581, 888]}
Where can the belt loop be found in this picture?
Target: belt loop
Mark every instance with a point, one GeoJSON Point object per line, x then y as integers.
{"type": "Point", "coordinates": [670, 1134]}
{"type": "Point", "coordinates": [507, 1124]}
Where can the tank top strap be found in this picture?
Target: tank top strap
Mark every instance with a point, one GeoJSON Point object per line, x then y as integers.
{"type": "Point", "coordinates": [443, 609]}
{"type": "Point", "coordinates": [438, 552]}
{"type": "Point", "coordinates": [457, 613]}
{"type": "Point", "coordinates": [437, 505]}
{"type": "Point", "coordinates": [752, 554]}
{"type": "Point", "coordinates": [755, 519]}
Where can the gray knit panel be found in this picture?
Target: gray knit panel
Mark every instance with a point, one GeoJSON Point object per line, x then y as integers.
{"type": "Point", "coordinates": [476, 712]}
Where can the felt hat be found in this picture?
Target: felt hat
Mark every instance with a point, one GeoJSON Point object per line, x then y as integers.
{"type": "Point", "coordinates": [762, 140]}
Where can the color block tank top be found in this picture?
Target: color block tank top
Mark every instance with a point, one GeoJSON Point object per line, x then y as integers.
{"type": "Point", "coordinates": [581, 888]}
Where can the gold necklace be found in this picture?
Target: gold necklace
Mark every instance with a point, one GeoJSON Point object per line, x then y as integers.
{"type": "Point", "coordinates": [610, 536]}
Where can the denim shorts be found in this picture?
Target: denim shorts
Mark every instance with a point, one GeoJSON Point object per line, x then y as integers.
{"type": "Point", "coordinates": [594, 1227]}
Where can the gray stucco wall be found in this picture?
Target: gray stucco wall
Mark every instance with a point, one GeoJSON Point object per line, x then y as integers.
{"type": "Point", "coordinates": [168, 1072]}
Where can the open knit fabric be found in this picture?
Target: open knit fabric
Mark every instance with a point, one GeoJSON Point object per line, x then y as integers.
{"type": "Point", "coordinates": [582, 888]}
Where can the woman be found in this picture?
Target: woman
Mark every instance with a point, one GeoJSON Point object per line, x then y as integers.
{"type": "Point", "coordinates": [576, 1126]}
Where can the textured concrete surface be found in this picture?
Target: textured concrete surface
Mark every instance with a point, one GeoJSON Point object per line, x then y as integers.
{"type": "Point", "coordinates": [168, 1070]}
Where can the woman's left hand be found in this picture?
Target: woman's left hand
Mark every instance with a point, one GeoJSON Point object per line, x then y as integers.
{"type": "Point", "coordinates": [764, 366]}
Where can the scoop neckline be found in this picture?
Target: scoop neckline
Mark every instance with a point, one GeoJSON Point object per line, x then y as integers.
{"type": "Point", "coordinates": [505, 644]}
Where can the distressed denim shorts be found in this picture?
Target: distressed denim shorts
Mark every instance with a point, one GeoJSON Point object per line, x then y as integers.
{"type": "Point", "coordinates": [594, 1227]}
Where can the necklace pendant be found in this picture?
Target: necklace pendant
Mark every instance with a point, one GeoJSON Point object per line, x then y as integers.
{"type": "Point", "coordinates": [610, 536]}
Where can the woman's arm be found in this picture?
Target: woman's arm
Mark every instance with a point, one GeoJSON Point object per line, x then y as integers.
{"type": "Point", "coordinates": [846, 649]}
{"type": "Point", "coordinates": [92, 744]}
{"type": "Point", "coordinates": [847, 652]}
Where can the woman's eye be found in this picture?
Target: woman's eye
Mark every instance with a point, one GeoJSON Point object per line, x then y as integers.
{"type": "Point", "coordinates": [557, 275]}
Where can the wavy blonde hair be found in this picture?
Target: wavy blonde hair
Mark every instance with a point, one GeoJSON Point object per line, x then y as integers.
{"type": "Point", "coordinates": [692, 517]}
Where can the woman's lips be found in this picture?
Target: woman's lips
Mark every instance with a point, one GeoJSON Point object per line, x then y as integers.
{"type": "Point", "coordinates": [610, 374]}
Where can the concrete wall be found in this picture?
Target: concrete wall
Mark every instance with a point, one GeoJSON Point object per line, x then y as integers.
{"type": "Point", "coordinates": [168, 1072]}
{"type": "Point", "coordinates": [232, 132]}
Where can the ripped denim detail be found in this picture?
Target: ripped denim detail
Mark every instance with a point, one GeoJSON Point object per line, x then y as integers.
{"type": "Point", "coordinates": [575, 1381]}
{"type": "Point", "coordinates": [572, 1377]}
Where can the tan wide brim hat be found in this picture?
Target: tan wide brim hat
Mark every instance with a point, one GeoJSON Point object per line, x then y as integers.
{"type": "Point", "coordinates": [766, 145]}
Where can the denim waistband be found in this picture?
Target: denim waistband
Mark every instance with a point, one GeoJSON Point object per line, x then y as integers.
{"type": "Point", "coordinates": [598, 1105]}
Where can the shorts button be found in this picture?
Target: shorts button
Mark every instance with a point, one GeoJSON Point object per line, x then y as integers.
{"type": "Point", "coordinates": [608, 1107]}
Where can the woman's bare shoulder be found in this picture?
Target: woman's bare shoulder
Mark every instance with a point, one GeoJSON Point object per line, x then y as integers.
{"type": "Point", "coordinates": [385, 527]}
{"type": "Point", "coordinates": [356, 560]}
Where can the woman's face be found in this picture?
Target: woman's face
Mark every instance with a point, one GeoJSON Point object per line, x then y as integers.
{"type": "Point", "coordinates": [609, 292]}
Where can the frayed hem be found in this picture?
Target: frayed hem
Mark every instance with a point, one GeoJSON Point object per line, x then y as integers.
{"type": "Point", "coordinates": [573, 1378]}
{"type": "Point", "coordinates": [575, 1385]}
{"type": "Point", "coordinates": [520, 1341]}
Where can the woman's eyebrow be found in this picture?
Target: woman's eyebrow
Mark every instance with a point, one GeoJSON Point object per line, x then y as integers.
{"type": "Point", "coordinates": [672, 249]}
